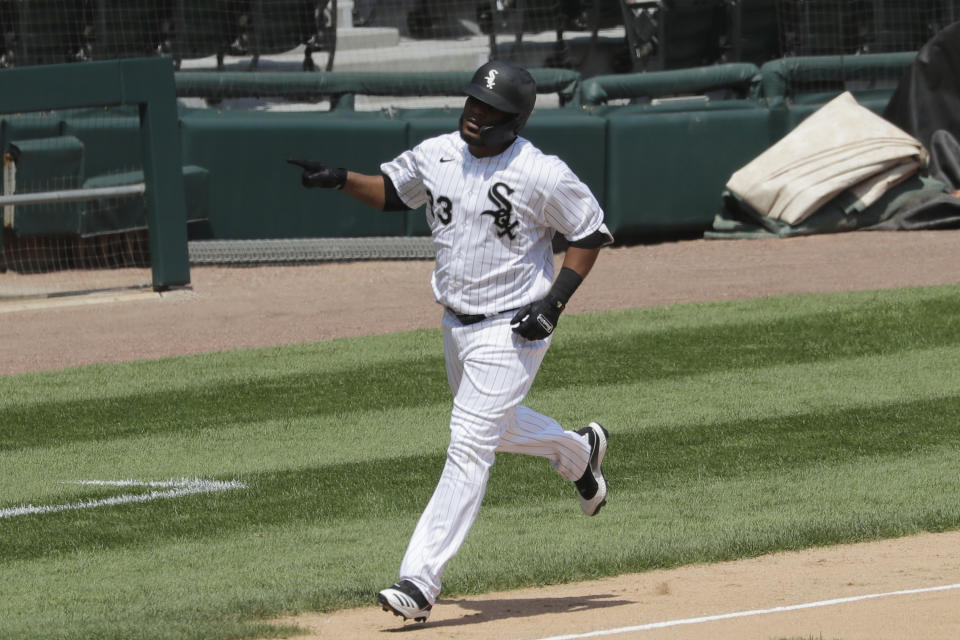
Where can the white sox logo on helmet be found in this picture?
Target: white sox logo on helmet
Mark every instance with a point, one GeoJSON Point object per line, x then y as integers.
{"type": "Point", "coordinates": [491, 78]}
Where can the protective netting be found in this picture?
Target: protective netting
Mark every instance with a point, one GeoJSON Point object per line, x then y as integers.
{"type": "Point", "coordinates": [590, 36]}
{"type": "Point", "coordinates": [595, 36]}
{"type": "Point", "coordinates": [309, 250]}
{"type": "Point", "coordinates": [835, 27]}
{"type": "Point", "coordinates": [285, 40]}
{"type": "Point", "coordinates": [50, 31]}
{"type": "Point", "coordinates": [72, 202]}
{"type": "Point", "coordinates": [65, 265]}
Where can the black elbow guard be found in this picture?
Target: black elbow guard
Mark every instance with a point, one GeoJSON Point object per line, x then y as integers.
{"type": "Point", "coordinates": [599, 238]}
{"type": "Point", "coordinates": [391, 199]}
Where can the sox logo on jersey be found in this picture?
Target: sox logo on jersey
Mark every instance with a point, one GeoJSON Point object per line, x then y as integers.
{"type": "Point", "coordinates": [501, 215]}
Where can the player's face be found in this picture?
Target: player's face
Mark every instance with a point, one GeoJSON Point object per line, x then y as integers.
{"type": "Point", "coordinates": [476, 115]}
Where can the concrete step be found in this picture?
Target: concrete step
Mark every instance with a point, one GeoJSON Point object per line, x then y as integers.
{"type": "Point", "coordinates": [414, 55]}
{"type": "Point", "coordinates": [383, 49]}
{"type": "Point", "coordinates": [350, 38]}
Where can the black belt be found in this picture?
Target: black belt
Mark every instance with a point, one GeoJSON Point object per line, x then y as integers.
{"type": "Point", "coordinates": [468, 319]}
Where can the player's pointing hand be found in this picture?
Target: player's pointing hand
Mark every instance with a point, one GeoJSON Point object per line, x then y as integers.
{"type": "Point", "coordinates": [317, 174]}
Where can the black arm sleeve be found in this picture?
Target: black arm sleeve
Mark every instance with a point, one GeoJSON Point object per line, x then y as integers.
{"type": "Point", "coordinates": [391, 200]}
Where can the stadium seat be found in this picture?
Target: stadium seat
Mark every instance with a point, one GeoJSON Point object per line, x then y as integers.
{"type": "Point", "coordinates": [754, 31]}
{"type": "Point", "coordinates": [675, 34]}
{"type": "Point", "coordinates": [8, 23]}
{"type": "Point", "coordinates": [128, 28]}
{"type": "Point", "coordinates": [278, 26]}
{"type": "Point", "coordinates": [824, 27]}
{"type": "Point", "coordinates": [517, 17]}
{"type": "Point", "coordinates": [904, 26]}
{"type": "Point", "coordinates": [204, 28]}
{"type": "Point", "coordinates": [46, 31]}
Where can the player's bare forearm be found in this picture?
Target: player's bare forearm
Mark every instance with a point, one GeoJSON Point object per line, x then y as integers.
{"type": "Point", "coordinates": [580, 260]}
{"type": "Point", "coordinates": [365, 188]}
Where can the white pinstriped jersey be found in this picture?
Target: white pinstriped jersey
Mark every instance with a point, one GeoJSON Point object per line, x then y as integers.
{"type": "Point", "coordinates": [493, 219]}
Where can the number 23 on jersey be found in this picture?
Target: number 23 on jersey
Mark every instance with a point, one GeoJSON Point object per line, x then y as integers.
{"type": "Point", "coordinates": [445, 211]}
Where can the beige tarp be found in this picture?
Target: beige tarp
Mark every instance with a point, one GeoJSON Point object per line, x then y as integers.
{"type": "Point", "coordinates": [842, 146]}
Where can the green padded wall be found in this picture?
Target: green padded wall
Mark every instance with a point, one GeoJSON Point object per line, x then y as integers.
{"type": "Point", "coordinates": [37, 159]}
{"type": "Point", "coordinates": [111, 137]}
{"type": "Point", "coordinates": [25, 127]}
{"type": "Point", "coordinates": [666, 170]}
{"type": "Point", "coordinates": [115, 215]}
{"type": "Point", "coordinates": [796, 87]}
{"type": "Point", "coordinates": [254, 193]}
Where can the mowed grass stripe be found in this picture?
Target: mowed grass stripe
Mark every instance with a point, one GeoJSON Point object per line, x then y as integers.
{"type": "Point", "coordinates": [212, 403]}
{"type": "Point", "coordinates": [728, 450]}
{"type": "Point", "coordinates": [764, 393]}
{"type": "Point", "coordinates": [639, 463]}
{"type": "Point", "coordinates": [890, 325]}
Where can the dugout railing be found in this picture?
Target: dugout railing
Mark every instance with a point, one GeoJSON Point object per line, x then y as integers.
{"type": "Point", "coordinates": [146, 88]}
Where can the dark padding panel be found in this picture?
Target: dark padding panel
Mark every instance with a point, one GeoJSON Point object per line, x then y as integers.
{"type": "Point", "coordinates": [111, 138]}
{"type": "Point", "coordinates": [104, 216]}
{"type": "Point", "coordinates": [44, 165]}
{"type": "Point", "coordinates": [255, 193]}
{"type": "Point", "coordinates": [666, 170]}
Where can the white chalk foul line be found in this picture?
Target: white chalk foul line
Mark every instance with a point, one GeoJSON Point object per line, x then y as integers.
{"type": "Point", "coordinates": [170, 489]}
{"type": "Point", "coordinates": [744, 614]}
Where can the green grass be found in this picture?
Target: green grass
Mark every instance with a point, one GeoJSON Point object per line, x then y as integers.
{"type": "Point", "coordinates": [737, 429]}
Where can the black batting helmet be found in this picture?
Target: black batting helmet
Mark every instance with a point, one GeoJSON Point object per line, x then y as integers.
{"type": "Point", "coordinates": [509, 88]}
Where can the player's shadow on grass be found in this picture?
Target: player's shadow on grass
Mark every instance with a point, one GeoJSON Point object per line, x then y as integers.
{"type": "Point", "coordinates": [486, 610]}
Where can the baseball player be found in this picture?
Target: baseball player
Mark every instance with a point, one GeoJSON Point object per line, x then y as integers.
{"type": "Point", "coordinates": [493, 202]}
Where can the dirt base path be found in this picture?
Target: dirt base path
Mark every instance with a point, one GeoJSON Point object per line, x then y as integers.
{"type": "Point", "coordinates": [264, 306]}
{"type": "Point", "coordinates": [726, 601]}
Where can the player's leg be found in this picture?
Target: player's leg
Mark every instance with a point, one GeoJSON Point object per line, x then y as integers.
{"type": "Point", "coordinates": [492, 377]}
{"type": "Point", "coordinates": [534, 434]}
{"type": "Point", "coordinates": [575, 455]}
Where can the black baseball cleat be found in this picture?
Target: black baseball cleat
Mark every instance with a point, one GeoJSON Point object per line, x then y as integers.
{"type": "Point", "coordinates": [405, 600]}
{"type": "Point", "coordinates": [592, 486]}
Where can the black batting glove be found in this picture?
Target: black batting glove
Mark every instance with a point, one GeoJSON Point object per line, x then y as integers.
{"type": "Point", "coordinates": [319, 175]}
{"type": "Point", "coordinates": [537, 320]}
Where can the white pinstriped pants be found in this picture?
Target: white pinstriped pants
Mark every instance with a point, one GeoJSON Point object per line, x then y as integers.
{"type": "Point", "coordinates": [490, 370]}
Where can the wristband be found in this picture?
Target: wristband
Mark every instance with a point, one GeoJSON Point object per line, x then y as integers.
{"type": "Point", "coordinates": [566, 283]}
{"type": "Point", "coordinates": [340, 174]}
